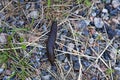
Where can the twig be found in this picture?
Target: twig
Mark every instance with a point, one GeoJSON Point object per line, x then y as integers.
{"type": "Point", "coordinates": [100, 57]}
{"type": "Point", "coordinates": [6, 6]}
{"type": "Point", "coordinates": [6, 49]}
{"type": "Point", "coordinates": [54, 75]}
{"type": "Point", "coordinates": [104, 49]}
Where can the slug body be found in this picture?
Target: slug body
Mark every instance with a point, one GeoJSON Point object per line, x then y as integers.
{"type": "Point", "coordinates": [51, 42]}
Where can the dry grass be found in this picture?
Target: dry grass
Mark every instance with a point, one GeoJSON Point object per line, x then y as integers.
{"type": "Point", "coordinates": [15, 49]}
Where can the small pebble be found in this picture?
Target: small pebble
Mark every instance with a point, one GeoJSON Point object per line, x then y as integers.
{"type": "Point", "coordinates": [61, 57]}
{"type": "Point", "coordinates": [95, 35]}
{"type": "Point", "coordinates": [1, 70]}
{"type": "Point", "coordinates": [91, 40]}
{"type": "Point", "coordinates": [70, 46]}
{"type": "Point", "coordinates": [117, 72]}
{"type": "Point", "coordinates": [105, 10]}
{"type": "Point", "coordinates": [111, 33]}
{"type": "Point", "coordinates": [116, 3]}
{"type": "Point", "coordinates": [97, 11]}
{"type": "Point", "coordinates": [83, 13]}
{"type": "Point", "coordinates": [66, 66]}
{"type": "Point", "coordinates": [96, 48]}
{"type": "Point", "coordinates": [108, 7]}
{"type": "Point", "coordinates": [94, 78]}
{"type": "Point", "coordinates": [19, 23]}
{"type": "Point", "coordinates": [1, 6]}
{"type": "Point", "coordinates": [44, 72]}
{"type": "Point", "coordinates": [93, 14]}
{"type": "Point", "coordinates": [3, 38]}
{"type": "Point", "coordinates": [115, 21]}
{"type": "Point", "coordinates": [88, 51]}
{"type": "Point", "coordinates": [44, 27]}
{"type": "Point", "coordinates": [115, 45]}
{"type": "Point", "coordinates": [85, 32]}
{"type": "Point", "coordinates": [64, 31]}
{"type": "Point", "coordinates": [108, 1]}
{"type": "Point", "coordinates": [76, 65]}
{"type": "Point", "coordinates": [106, 17]}
{"type": "Point", "coordinates": [47, 77]}
{"type": "Point", "coordinates": [2, 16]}
{"type": "Point", "coordinates": [54, 68]}
{"type": "Point", "coordinates": [117, 32]}
{"type": "Point", "coordinates": [118, 8]}
{"type": "Point", "coordinates": [33, 14]}
{"type": "Point", "coordinates": [117, 68]}
{"type": "Point", "coordinates": [98, 22]}
{"type": "Point", "coordinates": [85, 62]}
{"type": "Point", "coordinates": [66, 60]}
{"type": "Point", "coordinates": [74, 58]}
{"type": "Point", "coordinates": [62, 37]}
{"type": "Point", "coordinates": [113, 53]}
{"type": "Point", "coordinates": [82, 24]}
{"type": "Point", "coordinates": [28, 5]}
{"type": "Point", "coordinates": [87, 22]}
{"type": "Point", "coordinates": [114, 12]}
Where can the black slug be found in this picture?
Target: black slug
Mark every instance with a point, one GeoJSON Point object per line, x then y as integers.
{"type": "Point", "coordinates": [51, 42]}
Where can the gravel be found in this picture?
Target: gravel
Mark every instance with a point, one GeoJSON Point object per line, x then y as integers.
{"type": "Point", "coordinates": [82, 43]}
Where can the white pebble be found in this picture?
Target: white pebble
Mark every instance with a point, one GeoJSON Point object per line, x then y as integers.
{"type": "Point", "coordinates": [105, 11]}
{"type": "Point", "coordinates": [34, 14]}
{"type": "Point", "coordinates": [3, 38]}
{"type": "Point", "coordinates": [47, 77]}
{"type": "Point", "coordinates": [1, 70]}
{"type": "Point", "coordinates": [115, 3]}
{"type": "Point", "coordinates": [98, 22]}
{"type": "Point", "coordinates": [91, 40]}
{"type": "Point", "coordinates": [70, 46]}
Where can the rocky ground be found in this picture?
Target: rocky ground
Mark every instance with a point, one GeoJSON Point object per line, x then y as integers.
{"type": "Point", "coordinates": [87, 45]}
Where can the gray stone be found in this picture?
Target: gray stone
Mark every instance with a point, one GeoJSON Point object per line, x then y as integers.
{"type": "Point", "coordinates": [47, 77]}
{"type": "Point", "coordinates": [34, 14]}
{"type": "Point", "coordinates": [117, 32]}
{"type": "Point", "coordinates": [83, 23]}
{"type": "Point", "coordinates": [93, 14]}
{"type": "Point", "coordinates": [1, 70]}
{"type": "Point", "coordinates": [27, 5]}
{"type": "Point", "coordinates": [105, 10]}
{"type": "Point", "coordinates": [70, 46]}
{"type": "Point", "coordinates": [108, 1]}
{"type": "Point", "coordinates": [91, 40]}
{"type": "Point", "coordinates": [98, 22]}
{"type": "Point", "coordinates": [116, 3]}
{"type": "Point", "coordinates": [3, 38]}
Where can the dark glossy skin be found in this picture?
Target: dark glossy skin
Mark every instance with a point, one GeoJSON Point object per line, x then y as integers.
{"type": "Point", "coordinates": [51, 42]}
